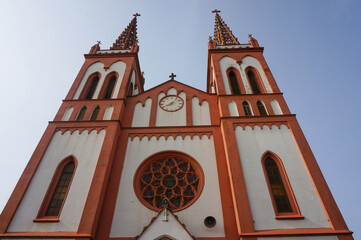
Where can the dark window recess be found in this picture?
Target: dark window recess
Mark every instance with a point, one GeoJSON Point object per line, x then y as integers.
{"type": "Point", "coordinates": [252, 80]}
{"type": "Point", "coordinates": [261, 109]}
{"type": "Point", "coordinates": [92, 87]}
{"type": "Point", "coordinates": [95, 113]}
{"type": "Point", "coordinates": [247, 109]}
{"type": "Point", "coordinates": [277, 187]}
{"type": "Point", "coordinates": [234, 83]}
{"type": "Point", "coordinates": [110, 87]}
{"type": "Point", "coordinates": [81, 114]}
{"type": "Point", "coordinates": [61, 189]}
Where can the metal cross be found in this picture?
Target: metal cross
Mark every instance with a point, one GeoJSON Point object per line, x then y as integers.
{"type": "Point", "coordinates": [136, 15]}
{"type": "Point", "coordinates": [250, 35]}
{"type": "Point", "coordinates": [99, 42]}
{"type": "Point", "coordinates": [172, 76]}
{"type": "Point", "coordinates": [216, 11]}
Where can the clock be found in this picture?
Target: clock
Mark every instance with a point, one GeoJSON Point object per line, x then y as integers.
{"type": "Point", "coordinates": [171, 103]}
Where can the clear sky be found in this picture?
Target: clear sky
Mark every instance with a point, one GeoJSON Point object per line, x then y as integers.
{"type": "Point", "coordinates": [312, 48]}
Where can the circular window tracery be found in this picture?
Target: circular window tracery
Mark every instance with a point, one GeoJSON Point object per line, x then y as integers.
{"type": "Point", "coordinates": [171, 175]}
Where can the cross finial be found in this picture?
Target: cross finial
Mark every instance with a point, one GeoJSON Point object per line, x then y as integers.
{"type": "Point", "coordinates": [250, 35]}
{"type": "Point", "coordinates": [136, 14]}
{"type": "Point", "coordinates": [99, 42]}
{"type": "Point", "coordinates": [172, 76]}
{"type": "Point", "coordinates": [216, 11]}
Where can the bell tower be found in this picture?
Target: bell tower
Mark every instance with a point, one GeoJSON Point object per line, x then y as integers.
{"type": "Point", "coordinates": [173, 162]}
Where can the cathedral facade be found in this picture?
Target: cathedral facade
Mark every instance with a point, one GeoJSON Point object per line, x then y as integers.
{"type": "Point", "coordinates": [173, 162]}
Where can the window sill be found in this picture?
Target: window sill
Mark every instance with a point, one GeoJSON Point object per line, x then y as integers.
{"type": "Point", "coordinates": [289, 217]}
{"type": "Point", "coordinates": [46, 219]}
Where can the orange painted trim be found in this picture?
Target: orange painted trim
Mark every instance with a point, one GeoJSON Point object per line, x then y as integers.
{"type": "Point", "coordinates": [94, 201]}
{"type": "Point", "coordinates": [23, 235]}
{"type": "Point", "coordinates": [295, 214]}
{"type": "Point", "coordinates": [324, 193]}
{"type": "Point", "coordinates": [296, 232]}
{"type": "Point", "coordinates": [50, 192]}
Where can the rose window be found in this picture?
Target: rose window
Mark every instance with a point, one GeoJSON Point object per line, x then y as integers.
{"type": "Point", "coordinates": [171, 175]}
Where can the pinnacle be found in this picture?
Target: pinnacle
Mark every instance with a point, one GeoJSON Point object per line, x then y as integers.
{"type": "Point", "coordinates": [128, 37]}
{"type": "Point", "coordinates": [222, 34]}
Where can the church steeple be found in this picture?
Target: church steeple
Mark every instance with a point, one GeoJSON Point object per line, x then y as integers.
{"type": "Point", "coordinates": [222, 34]}
{"type": "Point", "coordinates": [128, 37]}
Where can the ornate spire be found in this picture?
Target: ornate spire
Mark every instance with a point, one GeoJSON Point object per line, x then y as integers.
{"type": "Point", "coordinates": [222, 34]}
{"type": "Point", "coordinates": [128, 37]}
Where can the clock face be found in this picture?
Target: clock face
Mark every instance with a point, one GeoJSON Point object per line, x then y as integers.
{"type": "Point", "coordinates": [171, 103]}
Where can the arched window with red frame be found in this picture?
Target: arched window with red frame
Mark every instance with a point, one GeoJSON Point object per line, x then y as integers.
{"type": "Point", "coordinates": [90, 86]}
{"type": "Point", "coordinates": [234, 83]}
{"type": "Point", "coordinates": [283, 200]}
{"type": "Point", "coordinates": [254, 81]}
{"type": "Point", "coordinates": [58, 190]}
{"type": "Point", "coordinates": [108, 86]}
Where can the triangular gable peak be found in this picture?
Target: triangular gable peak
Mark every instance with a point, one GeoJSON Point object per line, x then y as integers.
{"type": "Point", "coordinates": [165, 226]}
{"type": "Point", "coordinates": [178, 86]}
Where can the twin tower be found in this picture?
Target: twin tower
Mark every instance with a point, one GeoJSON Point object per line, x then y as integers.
{"type": "Point", "coordinates": [173, 162]}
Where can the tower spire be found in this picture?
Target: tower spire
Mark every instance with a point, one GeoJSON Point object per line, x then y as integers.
{"type": "Point", "coordinates": [222, 34]}
{"type": "Point", "coordinates": [128, 37]}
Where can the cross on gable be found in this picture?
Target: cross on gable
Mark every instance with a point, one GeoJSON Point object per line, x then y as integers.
{"type": "Point", "coordinates": [216, 11]}
{"type": "Point", "coordinates": [172, 76]}
{"type": "Point", "coordinates": [99, 42]}
{"type": "Point", "coordinates": [136, 14]}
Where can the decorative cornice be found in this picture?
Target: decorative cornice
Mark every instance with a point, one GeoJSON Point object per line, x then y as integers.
{"type": "Point", "coordinates": [170, 134]}
{"type": "Point", "coordinates": [243, 125]}
{"type": "Point", "coordinates": [80, 129]}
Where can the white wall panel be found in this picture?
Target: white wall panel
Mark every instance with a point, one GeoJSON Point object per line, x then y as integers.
{"type": "Point", "coordinates": [165, 118]}
{"type": "Point", "coordinates": [130, 216]}
{"type": "Point", "coordinates": [200, 112]}
{"type": "Point", "coordinates": [141, 114]}
{"type": "Point", "coordinates": [252, 144]}
{"type": "Point", "coordinates": [86, 148]}
{"type": "Point", "coordinates": [250, 61]}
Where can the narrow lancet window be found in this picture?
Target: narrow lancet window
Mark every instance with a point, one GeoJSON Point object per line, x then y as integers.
{"type": "Point", "coordinates": [234, 84]}
{"type": "Point", "coordinates": [110, 87]}
{"type": "Point", "coordinates": [247, 108]}
{"type": "Point", "coordinates": [92, 88]}
{"type": "Point", "coordinates": [81, 114]}
{"type": "Point", "coordinates": [277, 187]}
{"type": "Point", "coordinates": [253, 82]}
{"type": "Point", "coordinates": [60, 191]}
{"type": "Point", "coordinates": [95, 113]}
{"type": "Point", "coordinates": [261, 108]}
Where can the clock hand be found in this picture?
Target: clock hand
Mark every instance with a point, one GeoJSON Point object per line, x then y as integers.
{"type": "Point", "coordinates": [171, 102]}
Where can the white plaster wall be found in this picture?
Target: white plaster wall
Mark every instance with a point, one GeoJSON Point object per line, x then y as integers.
{"type": "Point", "coordinates": [252, 144]}
{"type": "Point", "coordinates": [108, 113]}
{"type": "Point", "coordinates": [86, 148]}
{"type": "Point", "coordinates": [130, 216]}
{"type": "Point", "coordinates": [67, 114]}
{"type": "Point", "coordinates": [177, 118]}
{"type": "Point", "coordinates": [276, 107]}
{"type": "Point", "coordinates": [301, 238]}
{"type": "Point", "coordinates": [200, 112]}
{"type": "Point", "coordinates": [250, 61]}
{"type": "Point", "coordinates": [170, 228]}
{"type": "Point", "coordinates": [233, 111]}
{"type": "Point", "coordinates": [118, 67]}
{"type": "Point", "coordinates": [141, 114]}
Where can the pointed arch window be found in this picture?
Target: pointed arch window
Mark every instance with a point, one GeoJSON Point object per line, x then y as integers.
{"type": "Point", "coordinates": [234, 83]}
{"type": "Point", "coordinates": [110, 87]}
{"type": "Point", "coordinates": [95, 113]}
{"type": "Point", "coordinates": [81, 114]}
{"type": "Point", "coordinates": [93, 86]}
{"type": "Point", "coordinates": [57, 191]}
{"type": "Point", "coordinates": [261, 108]}
{"type": "Point", "coordinates": [283, 200]}
{"type": "Point", "coordinates": [253, 82]}
{"type": "Point", "coordinates": [247, 108]}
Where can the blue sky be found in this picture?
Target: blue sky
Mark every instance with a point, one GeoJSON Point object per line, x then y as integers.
{"type": "Point", "coordinates": [312, 48]}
